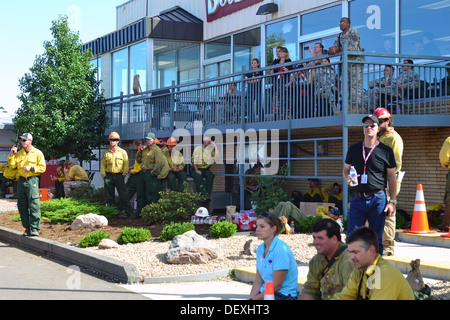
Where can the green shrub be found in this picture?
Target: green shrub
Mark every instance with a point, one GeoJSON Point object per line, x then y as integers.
{"type": "Point", "coordinates": [173, 206]}
{"type": "Point", "coordinates": [67, 209]}
{"type": "Point", "coordinates": [305, 225]}
{"type": "Point", "coordinates": [133, 235]}
{"type": "Point", "coordinates": [93, 239]}
{"type": "Point", "coordinates": [87, 191]}
{"type": "Point", "coordinates": [174, 229]}
{"type": "Point", "coordinates": [222, 229]}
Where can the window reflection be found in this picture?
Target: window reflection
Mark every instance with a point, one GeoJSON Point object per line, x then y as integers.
{"type": "Point", "coordinates": [421, 25]}
{"type": "Point", "coordinates": [285, 34]}
{"type": "Point", "coordinates": [320, 20]}
{"type": "Point", "coordinates": [247, 45]}
{"type": "Point", "coordinates": [375, 22]}
{"type": "Point", "coordinates": [120, 72]}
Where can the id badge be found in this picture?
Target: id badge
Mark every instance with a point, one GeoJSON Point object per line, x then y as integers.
{"type": "Point", "coordinates": [364, 179]}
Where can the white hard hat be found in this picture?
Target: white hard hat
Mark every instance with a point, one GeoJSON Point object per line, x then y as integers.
{"type": "Point", "coordinates": [202, 212]}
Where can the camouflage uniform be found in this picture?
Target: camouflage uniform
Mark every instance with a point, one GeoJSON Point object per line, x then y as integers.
{"type": "Point", "coordinates": [408, 79]}
{"type": "Point", "coordinates": [377, 87]}
{"type": "Point", "coordinates": [355, 71]}
{"type": "Point", "coordinates": [324, 82]}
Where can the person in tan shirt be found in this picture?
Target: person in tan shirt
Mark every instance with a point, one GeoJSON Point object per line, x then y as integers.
{"type": "Point", "coordinates": [75, 176]}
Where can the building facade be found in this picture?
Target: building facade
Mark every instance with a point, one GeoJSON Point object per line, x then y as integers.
{"type": "Point", "coordinates": [190, 53]}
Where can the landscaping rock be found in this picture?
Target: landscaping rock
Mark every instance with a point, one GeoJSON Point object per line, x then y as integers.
{"type": "Point", "coordinates": [108, 244]}
{"type": "Point", "coordinates": [89, 221]}
{"type": "Point", "coordinates": [191, 248]}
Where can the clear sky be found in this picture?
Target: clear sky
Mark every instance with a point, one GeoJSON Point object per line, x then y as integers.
{"type": "Point", "coordinates": [25, 25]}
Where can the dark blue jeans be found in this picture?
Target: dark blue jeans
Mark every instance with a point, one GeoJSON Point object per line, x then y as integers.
{"type": "Point", "coordinates": [371, 209]}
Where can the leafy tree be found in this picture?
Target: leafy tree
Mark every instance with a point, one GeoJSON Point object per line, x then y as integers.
{"type": "Point", "coordinates": [61, 102]}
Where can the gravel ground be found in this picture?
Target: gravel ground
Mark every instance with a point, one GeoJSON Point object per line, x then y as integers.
{"type": "Point", "coordinates": [149, 257]}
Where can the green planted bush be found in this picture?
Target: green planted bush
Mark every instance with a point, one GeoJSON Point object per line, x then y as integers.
{"type": "Point", "coordinates": [93, 239]}
{"type": "Point", "coordinates": [174, 229]}
{"type": "Point", "coordinates": [173, 206]}
{"type": "Point", "coordinates": [305, 225]}
{"type": "Point", "coordinates": [67, 209]}
{"type": "Point", "coordinates": [133, 235]}
{"type": "Point", "coordinates": [222, 229]}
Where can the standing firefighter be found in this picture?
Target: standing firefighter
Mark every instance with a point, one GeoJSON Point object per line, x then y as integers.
{"type": "Point", "coordinates": [114, 168]}
{"type": "Point", "coordinates": [30, 163]}
{"type": "Point", "coordinates": [391, 138]}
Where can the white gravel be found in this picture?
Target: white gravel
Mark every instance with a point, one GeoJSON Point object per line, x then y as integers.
{"type": "Point", "coordinates": [149, 257]}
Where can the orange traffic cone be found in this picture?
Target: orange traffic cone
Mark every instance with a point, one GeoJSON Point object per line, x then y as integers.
{"type": "Point", "coordinates": [419, 222]}
{"type": "Point", "coordinates": [268, 292]}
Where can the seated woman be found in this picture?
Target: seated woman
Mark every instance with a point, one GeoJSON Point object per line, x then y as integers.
{"type": "Point", "coordinates": [275, 262]}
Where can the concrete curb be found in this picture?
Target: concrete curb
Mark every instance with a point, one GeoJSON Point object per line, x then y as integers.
{"type": "Point", "coordinates": [124, 272]}
{"type": "Point", "coordinates": [188, 278]}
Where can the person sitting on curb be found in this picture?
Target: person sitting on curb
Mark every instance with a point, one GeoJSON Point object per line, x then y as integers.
{"type": "Point", "coordinates": [331, 267]}
{"type": "Point", "coordinates": [374, 278]}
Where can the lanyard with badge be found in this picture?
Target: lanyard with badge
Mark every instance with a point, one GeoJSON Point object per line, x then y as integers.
{"type": "Point", "coordinates": [364, 175]}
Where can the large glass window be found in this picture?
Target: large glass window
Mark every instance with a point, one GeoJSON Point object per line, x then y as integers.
{"type": "Point", "coordinates": [120, 72]}
{"type": "Point", "coordinates": [176, 61]}
{"type": "Point", "coordinates": [217, 48]}
{"type": "Point", "coordinates": [318, 21]}
{"type": "Point", "coordinates": [285, 34]}
{"type": "Point", "coordinates": [375, 21]}
{"type": "Point", "coordinates": [422, 27]}
{"type": "Point", "coordinates": [138, 63]}
{"type": "Point", "coordinates": [247, 45]}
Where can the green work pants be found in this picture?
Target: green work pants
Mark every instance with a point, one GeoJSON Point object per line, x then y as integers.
{"type": "Point", "coordinates": [150, 186]}
{"type": "Point", "coordinates": [113, 182]}
{"type": "Point", "coordinates": [28, 203]}
{"type": "Point", "coordinates": [132, 185]}
{"type": "Point", "coordinates": [204, 182]}
{"type": "Point", "coordinates": [172, 180]}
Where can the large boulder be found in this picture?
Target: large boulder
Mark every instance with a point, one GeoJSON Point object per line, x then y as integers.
{"type": "Point", "coordinates": [89, 221]}
{"type": "Point", "coordinates": [191, 248]}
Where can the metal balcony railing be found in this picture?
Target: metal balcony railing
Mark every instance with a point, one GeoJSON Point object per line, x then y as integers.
{"type": "Point", "coordinates": [305, 91]}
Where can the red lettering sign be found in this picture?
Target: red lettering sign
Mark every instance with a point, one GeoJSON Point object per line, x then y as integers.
{"type": "Point", "coordinates": [216, 9]}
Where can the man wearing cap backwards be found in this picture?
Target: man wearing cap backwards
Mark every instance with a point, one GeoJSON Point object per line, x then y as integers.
{"type": "Point", "coordinates": [114, 168]}
{"type": "Point", "coordinates": [176, 165]}
{"type": "Point", "coordinates": [390, 137]}
{"type": "Point", "coordinates": [30, 163]}
{"type": "Point", "coordinates": [375, 164]}
{"type": "Point", "coordinates": [154, 168]}
{"type": "Point", "coordinates": [202, 159]}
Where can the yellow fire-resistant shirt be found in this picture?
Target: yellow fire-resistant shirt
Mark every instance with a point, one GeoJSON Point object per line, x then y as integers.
{"type": "Point", "coordinates": [10, 174]}
{"type": "Point", "coordinates": [77, 173]}
{"type": "Point", "coordinates": [444, 154]}
{"type": "Point", "coordinates": [34, 158]}
{"type": "Point", "coordinates": [174, 159]}
{"type": "Point", "coordinates": [136, 168]}
{"type": "Point", "coordinates": [114, 162]}
{"type": "Point", "coordinates": [392, 139]}
{"type": "Point", "coordinates": [204, 158]}
{"type": "Point", "coordinates": [155, 161]}
{"type": "Point", "coordinates": [325, 286]}
{"type": "Point", "coordinates": [388, 283]}
{"type": "Point", "coordinates": [61, 176]}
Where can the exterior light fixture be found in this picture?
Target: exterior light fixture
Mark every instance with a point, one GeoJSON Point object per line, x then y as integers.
{"type": "Point", "coordinates": [267, 8]}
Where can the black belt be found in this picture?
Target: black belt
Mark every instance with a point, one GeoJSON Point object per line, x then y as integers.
{"type": "Point", "coordinates": [27, 178]}
{"type": "Point", "coordinates": [364, 194]}
{"type": "Point", "coordinates": [114, 174]}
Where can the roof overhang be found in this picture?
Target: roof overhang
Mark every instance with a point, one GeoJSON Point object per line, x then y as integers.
{"type": "Point", "coordinates": [172, 24]}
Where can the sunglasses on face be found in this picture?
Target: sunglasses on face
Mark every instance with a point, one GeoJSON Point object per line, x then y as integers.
{"type": "Point", "coordinates": [113, 140]}
{"type": "Point", "coordinates": [24, 140]}
{"type": "Point", "coordinates": [373, 125]}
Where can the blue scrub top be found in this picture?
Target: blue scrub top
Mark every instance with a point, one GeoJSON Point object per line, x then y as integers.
{"type": "Point", "coordinates": [279, 257]}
